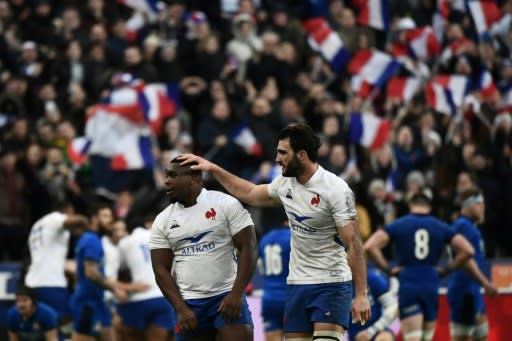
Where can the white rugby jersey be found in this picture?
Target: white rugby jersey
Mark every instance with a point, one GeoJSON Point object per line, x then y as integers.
{"type": "Point", "coordinates": [111, 257]}
{"type": "Point", "coordinates": [135, 255]}
{"type": "Point", "coordinates": [48, 245]}
{"type": "Point", "coordinates": [200, 237]}
{"type": "Point", "coordinates": [314, 210]}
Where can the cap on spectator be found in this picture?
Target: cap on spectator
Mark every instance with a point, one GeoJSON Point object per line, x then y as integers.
{"type": "Point", "coordinates": [375, 185]}
{"type": "Point", "coordinates": [197, 18]}
{"type": "Point", "coordinates": [405, 24]}
{"type": "Point", "coordinates": [28, 45]}
{"type": "Point", "coordinates": [416, 177]}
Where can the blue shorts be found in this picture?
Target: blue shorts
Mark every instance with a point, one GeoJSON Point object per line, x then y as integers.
{"type": "Point", "coordinates": [89, 316]}
{"type": "Point", "coordinates": [208, 316]}
{"type": "Point", "coordinates": [310, 303]}
{"type": "Point", "coordinates": [418, 300]}
{"type": "Point", "coordinates": [55, 297]}
{"type": "Point", "coordinates": [465, 305]}
{"type": "Point", "coordinates": [156, 312]}
{"type": "Point", "coordinates": [272, 311]}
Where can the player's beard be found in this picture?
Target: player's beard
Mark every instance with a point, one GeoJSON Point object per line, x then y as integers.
{"type": "Point", "coordinates": [294, 168]}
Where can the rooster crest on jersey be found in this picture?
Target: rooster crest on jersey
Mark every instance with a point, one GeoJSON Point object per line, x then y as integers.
{"type": "Point", "coordinates": [315, 201]}
{"type": "Point", "coordinates": [211, 214]}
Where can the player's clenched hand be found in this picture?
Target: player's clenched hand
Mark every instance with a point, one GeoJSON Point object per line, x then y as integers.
{"type": "Point", "coordinates": [202, 164]}
{"type": "Point", "coordinates": [231, 306]}
{"type": "Point", "coordinates": [361, 309]}
{"type": "Point", "coordinates": [491, 290]}
{"type": "Point", "coordinates": [187, 320]}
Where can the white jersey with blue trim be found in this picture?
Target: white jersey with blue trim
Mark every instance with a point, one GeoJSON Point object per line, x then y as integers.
{"type": "Point", "coordinates": [314, 211]}
{"type": "Point", "coordinates": [48, 245]}
{"type": "Point", "coordinates": [200, 238]}
{"type": "Point", "coordinates": [135, 255]}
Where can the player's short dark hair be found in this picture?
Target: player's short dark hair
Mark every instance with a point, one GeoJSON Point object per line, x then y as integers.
{"type": "Point", "coordinates": [473, 191]}
{"type": "Point", "coordinates": [423, 197]}
{"type": "Point", "coordinates": [190, 171]}
{"type": "Point", "coordinates": [302, 137]}
{"type": "Point", "coordinates": [23, 290]}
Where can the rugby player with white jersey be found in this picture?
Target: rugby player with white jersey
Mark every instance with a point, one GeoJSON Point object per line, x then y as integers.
{"type": "Point", "coordinates": [204, 252]}
{"type": "Point", "coordinates": [326, 249]}
{"type": "Point", "coordinates": [48, 245]}
{"type": "Point", "coordinates": [146, 315]}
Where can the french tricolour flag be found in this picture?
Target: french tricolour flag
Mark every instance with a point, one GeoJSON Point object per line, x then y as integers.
{"type": "Point", "coordinates": [453, 49]}
{"type": "Point", "coordinates": [506, 100]}
{"type": "Point", "coordinates": [327, 42]}
{"type": "Point", "coordinates": [423, 43]}
{"type": "Point", "coordinates": [440, 98]}
{"type": "Point", "coordinates": [403, 87]}
{"type": "Point", "coordinates": [369, 130]}
{"type": "Point", "coordinates": [485, 85]}
{"type": "Point", "coordinates": [149, 7]}
{"type": "Point", "coordinates": [458, 86]}
{"type": "Point", "coordinates": [373, 13]}
{"type": "Point", "coordinates": [485, 13]}
{"type": "Point", "coordinates": [78, 150]}
{"type": "Point", "coordinates": [243, 136]}
{"type": "Point", "coordinates": [373, 66]}
{"type": "Point", "coordinates": [158, 102]}
{"type": "Point", "coordinates": [114, 136]}
{"type": "Point", "coordinates": [135, 154]}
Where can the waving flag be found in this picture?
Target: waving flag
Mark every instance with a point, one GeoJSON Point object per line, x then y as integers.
{"type": "Point", "coordinates": [373, 66]}
{"type": "Point", "coordinates": [244, 137]}
{"type": "Point", "coordinates": [373, 13]}
{"type": "Point", "coordinates": [369, 130]}
{"type": "Point", "coordinates": [114, 136]}
{"type": "Point", "coordinates": [423, 43]}
{"type": "Point", "coordinates": [457, 85]}
{"type": "Point", "coordinates": [324, 39]}
{"type": "Point", "coordinates": [158, 102]}
{"type": "Point", "coordinates": [484, 13]}
{"type": "Point", "coordinates": [149, 7]}
{"type": "Point", "coordinates": [485, 85]}
{"type": "Point", "coordinates": [403, 88]}
{"type": "Point", "coordinates": [440, 98]}
{"type": "Point", "coordinates": [78, 150]}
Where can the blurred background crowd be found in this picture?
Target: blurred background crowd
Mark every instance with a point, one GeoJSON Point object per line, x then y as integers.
{"type": "Point", "coordinates": [255, 63]}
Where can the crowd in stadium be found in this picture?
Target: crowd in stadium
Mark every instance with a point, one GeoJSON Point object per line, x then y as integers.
{"type": "Point", "coordinates": [433, 113]}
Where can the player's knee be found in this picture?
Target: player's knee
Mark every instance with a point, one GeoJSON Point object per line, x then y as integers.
{"type": "Point", "coordinates": [481, 331]}
{"type": "Point", "coordinates": [460, 330]}
{"type": "Point", "coordinates": [327, 335]}
{"type": "Point", "coordinates": [428, 335]}
{"type": "Point", "coordinates": [413, 335]}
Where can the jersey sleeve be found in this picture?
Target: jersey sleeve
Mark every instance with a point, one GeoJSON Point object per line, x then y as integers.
{"type": "Point", "coordinates": [392, 229]}
{"type": "Point", "coordinates": [93, 250]}
{"type": "Point", "coordinates": [378, 284]}
{"type": "Point", "coordinates": [157, 239]}
{"type": "Point", "coordinates": [343, 205]}
{"type": "Point", "coordinates": [13, 319]}
{"type": "Point", "coordinates": [447, 232]}
{"type": "Point", "coordinates": [273, 188]}
{"type": "Point", "coordinates": [237, 216]}
{"type": "Point", "coordinates": [48, 318]}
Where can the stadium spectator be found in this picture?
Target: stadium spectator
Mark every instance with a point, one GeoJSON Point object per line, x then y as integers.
{"type": "Point", "coordinates": [30, 319]}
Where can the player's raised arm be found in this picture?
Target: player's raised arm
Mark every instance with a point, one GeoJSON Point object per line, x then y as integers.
{"type": "Point", "coordinates": [246, 191]}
